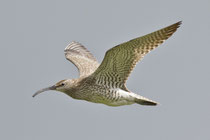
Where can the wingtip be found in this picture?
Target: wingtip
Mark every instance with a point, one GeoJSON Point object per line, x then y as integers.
{"type": "Point", "coordinates": [70, 45]}
{"type": "Point", "coordinates": [178, 24]}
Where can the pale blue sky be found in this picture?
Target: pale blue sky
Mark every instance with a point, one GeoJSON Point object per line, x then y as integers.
{"type": "Point", "coordinates": [34, 35]}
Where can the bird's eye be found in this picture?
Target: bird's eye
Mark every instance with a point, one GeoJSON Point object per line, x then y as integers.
{"type": "Point", "coordinates": [62, 84]}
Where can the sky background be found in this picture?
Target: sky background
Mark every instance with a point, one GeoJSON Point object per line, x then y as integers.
{"type": "Point", "coordinates": [34, 34]}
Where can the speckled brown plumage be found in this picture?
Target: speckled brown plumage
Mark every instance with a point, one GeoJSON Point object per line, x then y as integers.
{"type": "Point", "coordinates": [105, 83]}
{"type": "Point", "coordinates": [81, 58]}
{"type": "Point", "coordinates": [120, 60]}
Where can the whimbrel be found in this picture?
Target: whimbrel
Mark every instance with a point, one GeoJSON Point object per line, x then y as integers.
{"type": "Point", "coordinates": [105, 83]}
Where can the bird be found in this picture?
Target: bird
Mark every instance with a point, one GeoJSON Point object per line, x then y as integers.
{"type": "Point", "coordinates": [105, 83]}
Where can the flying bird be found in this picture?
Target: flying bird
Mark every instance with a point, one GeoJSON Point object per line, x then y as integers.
{"type": "Point", "coordinates": [105, 83]}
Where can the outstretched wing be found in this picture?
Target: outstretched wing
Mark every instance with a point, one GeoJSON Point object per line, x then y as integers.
{"type": "Point", "coordinates": [81, 58]}
{"type": "Point", "coordinates": [120, 60]}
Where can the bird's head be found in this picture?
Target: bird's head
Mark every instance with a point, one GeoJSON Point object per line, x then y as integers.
{"type": "Point", "coordinates": [61, 86]}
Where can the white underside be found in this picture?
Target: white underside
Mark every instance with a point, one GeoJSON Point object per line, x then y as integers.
{"type": "Point", "coordinates": [126, 98]}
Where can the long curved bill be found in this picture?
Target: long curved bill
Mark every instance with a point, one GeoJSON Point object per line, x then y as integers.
{"type": "Point", "coordinates": [44, 89]}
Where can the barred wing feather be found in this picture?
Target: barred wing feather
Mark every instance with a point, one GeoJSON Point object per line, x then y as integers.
{"type": "Point", "coordinates": [120, 60]}
{"type": "Point", "coordinates": [81, 58]}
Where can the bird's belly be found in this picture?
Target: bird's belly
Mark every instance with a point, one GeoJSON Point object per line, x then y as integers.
{"type": "Point", "coordinates": [111, 103]}
{"type": "Point", "coordinates": [119, 103]}
{"type": "Point", "coordinates": [115, 97]}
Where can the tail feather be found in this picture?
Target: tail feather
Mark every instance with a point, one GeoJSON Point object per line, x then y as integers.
{"type": "Point", "coordinates": [144, 101]}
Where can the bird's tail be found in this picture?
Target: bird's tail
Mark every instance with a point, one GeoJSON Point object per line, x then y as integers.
{"type": "Point", "coordinates": [144, 101]}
